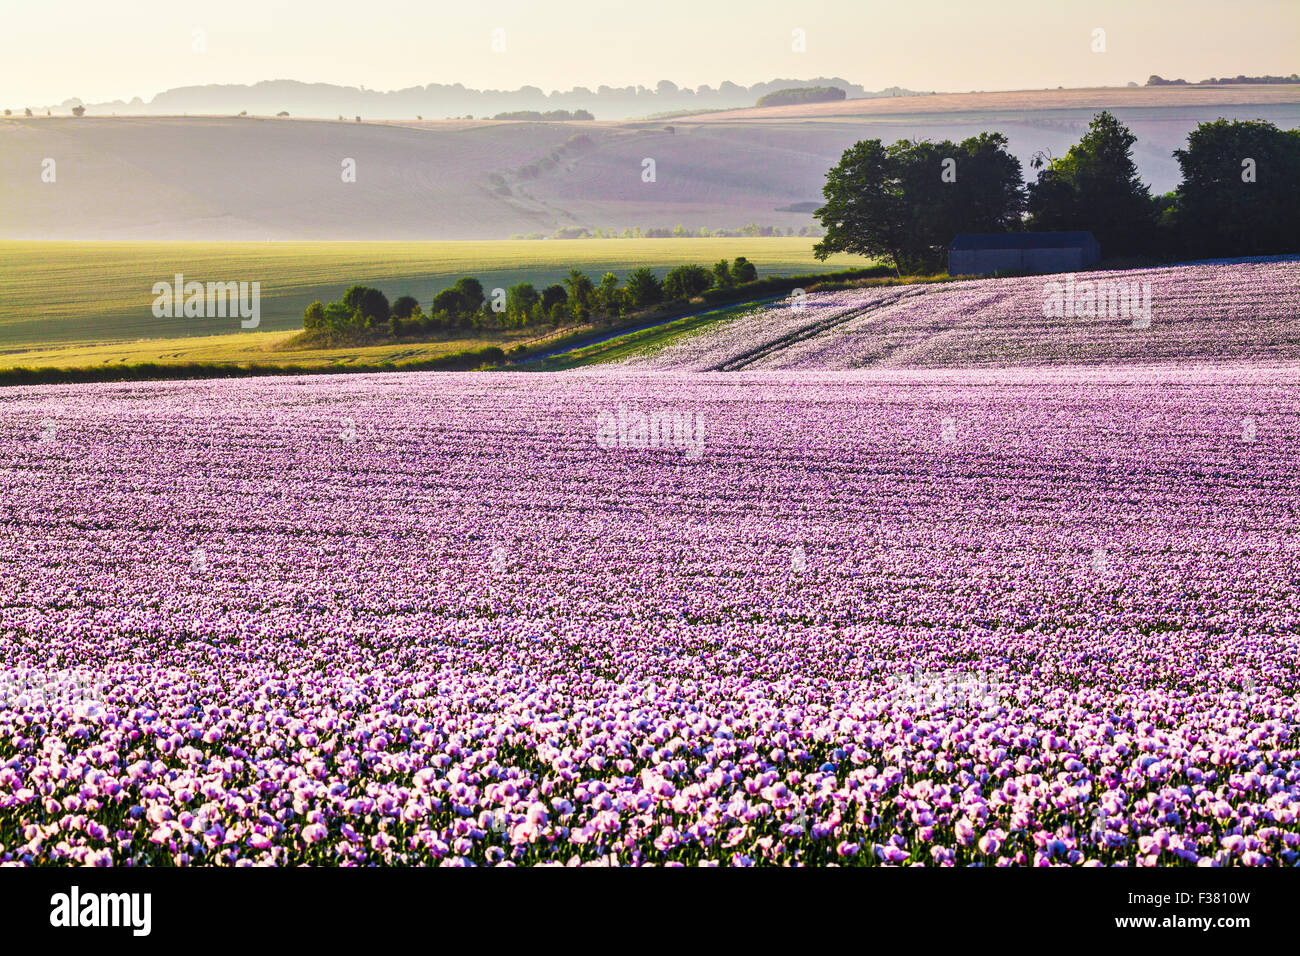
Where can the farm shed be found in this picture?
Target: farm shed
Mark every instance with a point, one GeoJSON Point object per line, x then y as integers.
{"type": "Point", "coordinates": [984, 253]}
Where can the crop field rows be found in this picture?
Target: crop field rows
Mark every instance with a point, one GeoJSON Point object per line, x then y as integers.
{"type": "Point", "coordinates": [839, 312]}
{"type": "Point", "coordinates": [869, 618]}
{"type": "Point", "coordinates": [1199, 313]}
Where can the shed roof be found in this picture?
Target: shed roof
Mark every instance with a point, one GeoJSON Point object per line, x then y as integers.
{"type": "Point", "coordinates": [1023, 240]}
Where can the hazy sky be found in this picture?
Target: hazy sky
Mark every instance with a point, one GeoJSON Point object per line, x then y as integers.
{"type": "Point", "coordinates": [51, 50]}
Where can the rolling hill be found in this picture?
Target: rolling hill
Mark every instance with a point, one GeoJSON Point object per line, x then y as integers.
{"type": "Point", "coordinates": [242, 178]}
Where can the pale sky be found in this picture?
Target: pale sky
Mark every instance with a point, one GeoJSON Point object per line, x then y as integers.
{"type": "Point", "coordinates": [51, 50]}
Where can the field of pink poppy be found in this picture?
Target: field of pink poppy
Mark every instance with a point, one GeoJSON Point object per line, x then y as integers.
{"type": "Point", "coordinates": [1031, 616]}
{"type": "Point", "coordinates": [1209, 312]}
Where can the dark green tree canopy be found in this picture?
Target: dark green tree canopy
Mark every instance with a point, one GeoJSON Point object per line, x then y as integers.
{"type": "Point", "coordinates": [1095, 186]}
{"type": "Point", "coordinates": [371, 303]}
{"type": "Point", "coordinates": [580, 289]}
{"type": "Point", "coordinates": [471, 291]}
{"type": "Point", "coordinates": [742, 270]}
{"type": "Point", "coordinates": [904, 203]}
{"type": "Point", "coordinates": [685, 282]}
{"type": "Point", "coordinates": [404, 307]}
{"type": "Point", "coordinates": [521, 298]}
{"type": "Point", "coordinates": [451, 301]}
{"type": "Point", "coordinates": [608, 296]}
{"type": "Point", "coordinates": [1240, 193]}
{"type": "Point", "coordinates": [722, 275]}
{"type": "Point", "coordinates": [313, 318]}
{"type": "Point", "coordinates": [552, 296]}
{"type": "Point", "coordinates": [644, 288]}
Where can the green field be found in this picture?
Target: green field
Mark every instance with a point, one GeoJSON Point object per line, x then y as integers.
{"type": "Point", "coordinates": [62, 302]}
{"type": "Point", "coordinates": [259, 348]}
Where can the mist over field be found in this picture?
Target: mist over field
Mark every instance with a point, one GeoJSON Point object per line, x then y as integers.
{"type": "Point", "coordinates": [439, 100]}
{"type": "Point", "coordinates": [242, 178]}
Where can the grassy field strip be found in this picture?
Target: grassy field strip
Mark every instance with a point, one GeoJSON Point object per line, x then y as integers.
{"type": "Point", "coordinates": [252, 347]}
{"type": "Point", "coordinates": [258, 348]}
{"type": "Point", "coordinates": [649, 339]}
{"type": "Point", "coordinates": [91, 293]}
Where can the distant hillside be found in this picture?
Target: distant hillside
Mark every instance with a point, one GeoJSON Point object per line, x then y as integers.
{"type": "Point", "coordinates": [441, 101]}
{"type": "Point", "coordinates": [809, 94]}
{"type": "Point", "coordinates": [229, 178]}
{"type": "Point", "coordinates": [1239, 80]}
{"type": "Point", "coordinates": [1173, 97]}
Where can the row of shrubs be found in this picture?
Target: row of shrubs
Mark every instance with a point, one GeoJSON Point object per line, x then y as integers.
{"type": "Point", "coordinates": [466, 360]}
{"type": "Point", "coordinates": [550, 116]}
{"type": "Point", "coordinates": [365, 312]}
{"type": "Point", "coordinates": [802, 94]}
{"type": "Point", "coordinates": [365, 315]}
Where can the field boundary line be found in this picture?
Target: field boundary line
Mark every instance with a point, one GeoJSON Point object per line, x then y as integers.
{"type": "Point", "coordinates": [803, 334]}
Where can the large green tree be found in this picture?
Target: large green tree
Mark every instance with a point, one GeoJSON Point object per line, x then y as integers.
{"type": "Point", "coordinates": [864, 206]}
{"type": "Point", "coordinates": [742, 270]}
{"type": "Point", "coordinates": [371, 303]}
{"type": "Point", "coordinates": [553, 300]}
{"type": "Point", "coordinates": [904, 203]}
{"type": "Point", "coordinates": [404, 307]}
{"type": "Point", "coordinates": [685, 282]}
{"type": "Point", "coordinates": [520, 299]}
{"type": "Point", "coordinates": [313, 319]}
{"type": "Point", "coordinates": [580, 293]}
{"type": "Point", "coordinates": [452, 302]}
{"type": "Point", "coordinates": [644, 288]}
{"type": "Point", "coordinates": [1095, 186]}
{"type": "Point", "coordinates": [722, 277]}
{"type": "Point", "coordinates": [471, 290]}
{"type": "Point", "coordinates": [609, 297]}
{"type": "Point", "coordinates": [1240, 193]}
